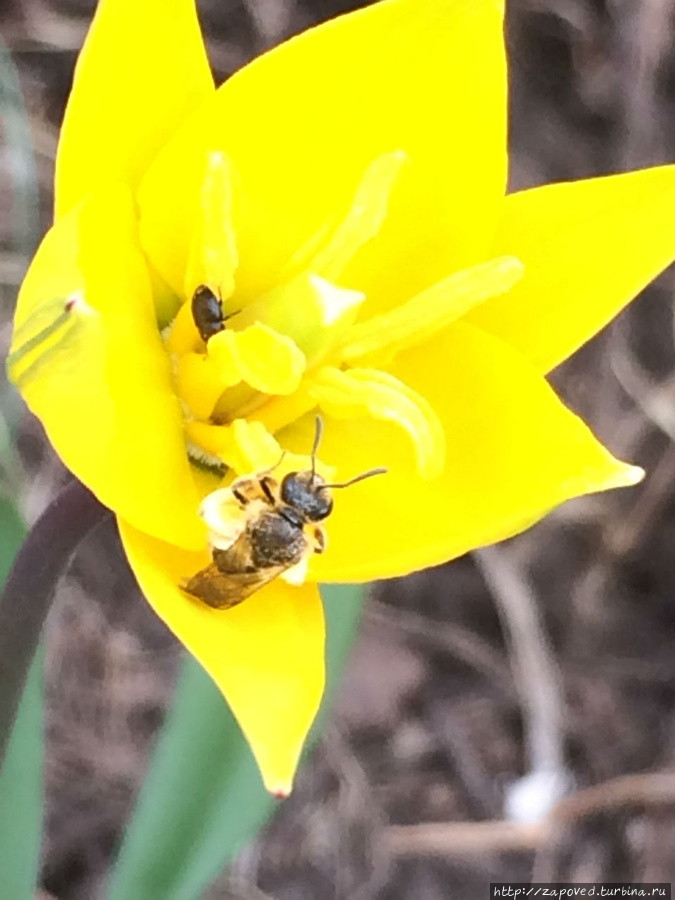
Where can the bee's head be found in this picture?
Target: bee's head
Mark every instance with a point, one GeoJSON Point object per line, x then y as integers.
{"type": "Point", "coordinates": [307, 493]}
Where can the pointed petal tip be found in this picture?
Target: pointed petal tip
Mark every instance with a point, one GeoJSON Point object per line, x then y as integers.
{"type": "Point", "coordinates": [617, 475]}
{"type": "Point", "coordinates": [278, 788]}
{"type": "Point", "coordinates": [626, 476]}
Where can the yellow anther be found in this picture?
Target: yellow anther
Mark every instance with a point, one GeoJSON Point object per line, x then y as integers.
{"type": "Point", "coordinates": [299, 262]}
{"type": "Point", "coordinates": [213, 258]}
{"type": "Point", "coordinates": [370, 392]}
{"type": "Point", "coordinates": [330, 250]}
{"type": "Point", "coordinates": [378, 339]}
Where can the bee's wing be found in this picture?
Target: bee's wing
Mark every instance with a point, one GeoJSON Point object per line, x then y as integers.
{"type": "Point", "coordinates": [233, 575]}
{"type": "Point", "coordinates": [223, 590]}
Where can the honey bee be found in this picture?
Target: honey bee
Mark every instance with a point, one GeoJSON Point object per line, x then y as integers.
{"type": "Point", "coordinates": [207, 312]}
{"type": "Point", "coordinates": [271, 530]}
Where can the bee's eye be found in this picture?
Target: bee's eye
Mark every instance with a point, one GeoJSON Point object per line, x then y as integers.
{"type": "Point", "coordinates": [207, 312]}
{"type": "Point", "coordinates": [322, 506]}
{"type": "Point", "coordinates": [304, 493]}
{"type": "Point", "coordinates": [291, 488]}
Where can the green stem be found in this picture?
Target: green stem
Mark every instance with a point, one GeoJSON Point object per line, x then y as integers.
{"type": "Point", "coordinates": [30, 587]}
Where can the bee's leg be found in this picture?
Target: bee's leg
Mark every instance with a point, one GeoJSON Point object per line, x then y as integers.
{"type": "Point", "coordinates": [267, 486]}
{"type": "Point", "coordinates": [320, 539]}
{"type": "Point", "coordinates": [250, 488]}
{"type": "Point", "coordinates": [275, 466]}
{"type": "Point", "coordinates": [241, 497]}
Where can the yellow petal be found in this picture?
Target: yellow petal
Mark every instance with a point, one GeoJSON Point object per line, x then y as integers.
{"type": "Point", "coordinates": [588, 248]}
{"type": "Point", "coordinates": [513, 453]}
{"type": "Point", "coordinates": [265, 655]}
{"type": "Point", "coordinates": [419, 76]}
{"type": "Point", "coordinates": [90, 363]}
{"type": "Point", "coordinates": [142, 70]}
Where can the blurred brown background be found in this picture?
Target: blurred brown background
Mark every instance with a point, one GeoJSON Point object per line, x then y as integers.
{"type": "Point", "coordinates": [552, 654]}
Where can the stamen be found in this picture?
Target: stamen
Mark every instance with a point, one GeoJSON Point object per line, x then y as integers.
{"type": "Point", "coordinates": [329, 250]}
{"type": "Point", "coordinates": [378, 339]}
{"type": "Point", "coordinates": [364, 219]}
{"type": "Point", "coordinates": [213, 257]}
{"type": "Point", "coordinates": [370, 392]}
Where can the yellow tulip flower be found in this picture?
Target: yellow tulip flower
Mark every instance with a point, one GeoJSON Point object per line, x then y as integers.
{"type": "Point", "coordinates": [344, 197]}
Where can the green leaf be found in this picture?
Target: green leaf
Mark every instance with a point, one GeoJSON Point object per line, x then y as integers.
{"type": "Point", "coordinates": [21, 790]}
{"type": "Point", "coordinates": [203, 797]}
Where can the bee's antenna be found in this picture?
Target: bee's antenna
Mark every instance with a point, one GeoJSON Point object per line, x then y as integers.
{"type": "Point", "coordinates": [276, 464]}
{"type": "Point", "coordinates": [368, 474]}
{"type": "Point", "coordinates": [315, 447]}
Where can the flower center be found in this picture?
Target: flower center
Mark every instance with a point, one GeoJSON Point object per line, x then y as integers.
{"type": "Point", "coordinates": [243, 371]}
